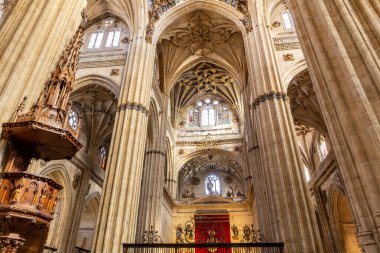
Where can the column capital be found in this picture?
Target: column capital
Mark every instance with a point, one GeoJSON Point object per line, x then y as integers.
{"type": "Point", "coordinates": [133, 106]}
{"type": "Point", "coordinates": [270, 95]}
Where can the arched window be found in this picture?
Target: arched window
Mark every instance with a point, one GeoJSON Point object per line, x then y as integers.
{"type": "Point", "coordinates": [212, 185]}
{"type": "Point", "coordinates": [287, 20]}
{"type": "Point", "coordinates": [194, 117]}
{"type": "Point", "coordinates": [96, 39]}
{"type": "Point", "coordinates": [322, 148]}
{"type": "Point", "coordinates": [208, 116]}
{"type": "Point", "coordinates": [73, 120]}
{"type": "Point", "coordinates": [223, 116]}
{"type": "Point", "coordinates": [103, 153]}
{"type": "Point", "coordinates": [208, 112]}
{"type": "Point", "coordinates": [113, 38]}
{"type": "Point", "coordinates": [107, 35]}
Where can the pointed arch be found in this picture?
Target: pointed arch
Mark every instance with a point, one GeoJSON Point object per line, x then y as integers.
{"type": "Point", "coordinates": [187, 7]}
{"type": "Point", "coordinates": [58, 227]}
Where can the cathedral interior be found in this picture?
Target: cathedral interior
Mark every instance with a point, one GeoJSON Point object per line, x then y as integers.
{"type": "Point", "coordinates": [157, 125]}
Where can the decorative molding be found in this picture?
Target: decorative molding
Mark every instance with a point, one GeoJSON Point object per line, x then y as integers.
{"type": "Point", "coordinates": [170, 180]}
{"type": "Point", "coordinates": [151, 236]}
{"type": "Point", "coordinates": [133, 106]}
{"type": "Point", "coordinates": [114, 72]}
{"type": "Point", "coordinates": [286, 43]}
{"type": "Point", "coordinates": [222, 142]}
{"type": "Point", "coordinates": [276, 24]}
{"type": "Point", "coordinates": [271, 95]}
{"type": "Point", "coordinates": [247, 22]}
{"type": "Point", "coordinates": [288, 57]}
{"type": "Point", "coordinates": [155, 152]}
{"type": "Point", "coordinates": [253, 148]}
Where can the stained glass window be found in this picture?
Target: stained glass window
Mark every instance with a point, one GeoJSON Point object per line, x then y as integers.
{"type": "Point", "coordinates": [73, 120]}
{"type": "Point", "coordinates": [208, 112]}
{"type": "Point", "coordinates": [103, 157]}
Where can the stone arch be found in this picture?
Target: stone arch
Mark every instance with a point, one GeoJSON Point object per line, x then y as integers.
{"type": "Point", "coordinates": [98, 80]}
{"type": "Point", "coordinates": [292, 72]}
{"type": "Point", "coordinates": [97, 114]}
{"type": "Point", "coordinates": [343, 221]}
{"type": "Point", "coordinates": [239, 171]}
{"type": "Point", "coordinates": [58, 227]}
{"type": "Point", "coordinates": [220, 151]}
{"type": "Point", "coordinates": [114, 9]}
{"type": "Point", "coordinates": [87, 223]}
{"type": "Point", "coordinates": [184, 8]}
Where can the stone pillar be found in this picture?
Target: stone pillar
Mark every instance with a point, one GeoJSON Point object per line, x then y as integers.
{"type": "Point", "coordinates": [278, 173]}
{"type": "Point", "coordinates": [341, 42]}
{"type": "Point", "coordinates": [33, 35]}
{"type": "Point", "coordinates": [117, 219]}
{"type": "Point", "coordinates": [68, 243]}
{"type": "Point", "coordinates": [153, 182]}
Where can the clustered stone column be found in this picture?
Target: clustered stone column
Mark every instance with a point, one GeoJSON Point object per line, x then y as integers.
{"type": "Point", "coordinates": [284, 204]}
{"type": "Point", "coordinates": [152, 182]}
{"type": "Point", "coordinates": [117, 219]}
{"type": "Point", "coordinates": [33, 34]}
{"type": "Point", "coordinates": [341, 41]}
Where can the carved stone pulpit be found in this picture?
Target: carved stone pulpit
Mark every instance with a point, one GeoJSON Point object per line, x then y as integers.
{"type": "Point", "coordinates": [28, 201]}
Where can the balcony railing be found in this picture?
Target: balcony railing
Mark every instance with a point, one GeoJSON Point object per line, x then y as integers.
{"type": "Point", "coordinates": [205, 248]}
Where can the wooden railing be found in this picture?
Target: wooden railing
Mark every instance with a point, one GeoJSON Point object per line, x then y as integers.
{"type": "Point", "coordinates": [205, 248]}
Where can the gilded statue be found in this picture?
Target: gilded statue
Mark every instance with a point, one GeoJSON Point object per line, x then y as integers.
{"type": "Point", "coordinates": [235, 232]}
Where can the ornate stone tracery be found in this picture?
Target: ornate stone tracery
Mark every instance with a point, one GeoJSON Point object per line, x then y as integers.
{"type": "Point", "coordinates": [159, 7]}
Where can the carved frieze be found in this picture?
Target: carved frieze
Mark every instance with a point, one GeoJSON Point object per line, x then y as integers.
{"type": "Point", "coordinates": [29, 195]}
{"type": "Point", "coordinates": [286, 43]}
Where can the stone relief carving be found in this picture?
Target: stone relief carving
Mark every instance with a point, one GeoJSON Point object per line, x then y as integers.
{"type": "Point", "coordinates": [76, 180]}
{"type": "Point", "coordinates": [114, 72]}
{"type": "Point", "coordinates": [288, 57]}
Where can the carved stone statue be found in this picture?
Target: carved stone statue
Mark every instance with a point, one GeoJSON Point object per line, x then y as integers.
{"type": "Point", "coordinates": [189, 192]}
{"type": "Point", "coordinates": [234, 190]}
{"type": "Point", "coordinates": [210, 186]}
{"type": "Point", "coordinates": [16, 192]}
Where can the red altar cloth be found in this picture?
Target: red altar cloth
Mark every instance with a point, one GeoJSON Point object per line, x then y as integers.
{"type": "Point", "coordinates": [212, 229]}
